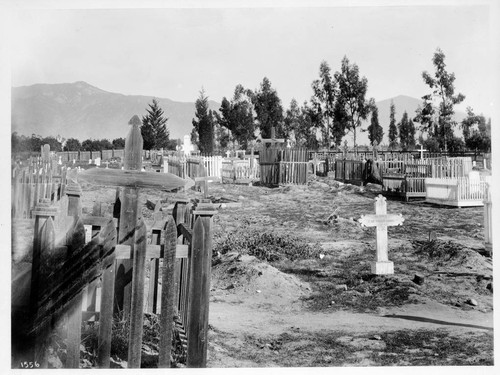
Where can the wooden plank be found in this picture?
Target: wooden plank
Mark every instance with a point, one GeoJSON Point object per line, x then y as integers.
{"type": "Point", "coordinates": [184, 230]}
{"type": "Point", "coordinates": [196, 326]}
{"type": "Point", "coordinates": [134, 179]}
{"type": "Point", "coordinates": [167, 294]}
{"type": "Point", "coordinates": [154, 264]}
{"type": "Point", "coordinates": [98, 221]}
{"type": "Point", "coordinates": [75, 309]}
{"type": "Point", "coordinates": [106, 308]}
{"type": "Point", "coordinates": [136, 310]}
{"type": "Point", "coordinates": [152, 251]}
{"type": "Point", "coordinates": [129, 210]}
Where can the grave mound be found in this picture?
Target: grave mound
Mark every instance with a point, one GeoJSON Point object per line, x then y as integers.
{"type": "Point", "coordinates": [245, 279]}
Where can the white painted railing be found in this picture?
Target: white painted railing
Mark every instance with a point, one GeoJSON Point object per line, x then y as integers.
{"type": "Point", "coordinates": [460, 191]}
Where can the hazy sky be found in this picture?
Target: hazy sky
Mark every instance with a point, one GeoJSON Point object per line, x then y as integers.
{"type": "Point", "coordinates": [172, 53]}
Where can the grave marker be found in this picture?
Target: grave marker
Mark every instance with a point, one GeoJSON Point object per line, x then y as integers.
{"type": "Point", "coordinates": [381, 220]}
{"type": "Point", "coordinates": [203, 180]}
{"type": "Point", "coordinates": [131, 229]}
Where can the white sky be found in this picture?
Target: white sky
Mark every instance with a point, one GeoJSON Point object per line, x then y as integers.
{"type": "Point", "coordinates": [172, 52]}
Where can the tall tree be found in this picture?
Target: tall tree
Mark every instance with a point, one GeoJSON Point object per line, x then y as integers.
{"type": "Point", "coordinates": [323, 99]}
{"type": "Point", "coordinates": [352, 96]}
{"type": "Point", "coordinates": [118, 143]}
{"type": "Point", "coordinates": [237, 116]}
{"type": "Point", "coordinates": [204, 125]}
{"type": "Point", "coordinates": [292, 120]}
{"type": "Point", "coordinates": [375, 131]}
{"type": "Point", "coordinates": [393, 130]}
{"type": "Point", "coordinates": [154, 130]}
{"type": "Point", "coordinates": [476, 131]}
{"type": "Point", "coordinates": [443, 97]}
{"type": "Point", "coordinates": [72, 144]}
{"type": "Point", "coordinates": [268, 109]}
{"type": "Point", "coordinates": [308, 126]}
{"type": "Point", "coordinates": [406, 132]}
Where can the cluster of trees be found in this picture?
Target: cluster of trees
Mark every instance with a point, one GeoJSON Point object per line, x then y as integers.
{"type": "Point", "coordinates": [22, 143]}
{"type": "Point", "coordinates": [153, 129]}
{"type": "Point", "coordinates": [338, 106]}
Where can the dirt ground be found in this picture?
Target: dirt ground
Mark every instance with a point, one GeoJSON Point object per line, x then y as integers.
{"type": "Point", "coordinates": [328, 310]}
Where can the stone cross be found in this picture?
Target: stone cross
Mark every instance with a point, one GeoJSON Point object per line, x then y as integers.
{"type": "Point", "coordinates": [422, 152]}
{"type": "Point", "coordinates": [228, 153]}
{"type": "Point", "coordinates": [381, 220]}
{"type": "Point", "coordinates": [273, 138]}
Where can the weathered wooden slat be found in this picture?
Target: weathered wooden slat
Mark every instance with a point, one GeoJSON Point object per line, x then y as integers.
{"type": "Point", "coordinates": [136, 310]}
{"type": "Point", "coordinates": [106, 308]}
{"type": "Point", "coordinates": [98, 221]}
{"type": "Point", "coordinates": [196, 346]}
{"type": "Point", "coordinates": [134, 179]}
{"type": "Point", "coordinates": [167, 294]}
{"type": "Point", "coordinates": [75, 309]}
{"type": "Point", "coordinates": [184, 230]}
{"type": "Point", "coordinates": [152, 251]}
{"type": "Point", "coordinates": [154, 268]}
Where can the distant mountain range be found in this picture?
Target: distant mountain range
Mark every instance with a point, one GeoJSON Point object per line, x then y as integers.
{"type": "Point", "coordinates": [80, 110]}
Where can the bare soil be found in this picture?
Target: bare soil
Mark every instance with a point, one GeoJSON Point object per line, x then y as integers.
{"type": "Point", "coordinates": [328, 310]}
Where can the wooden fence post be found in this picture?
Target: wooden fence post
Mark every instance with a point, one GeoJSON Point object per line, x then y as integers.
{"type": "Point", "coordinates": [128, 213]}
{"type": "Point", "coordinates": [43, 248]}
{"type": "Point", "coordinates": [106, 312]}
{"type": "Point", "coordinates": [74, 192]}
{"type": "Point", "coordinates": [167, 293]}
{"type": "Point", "coordinates": [137, 303]}
{"type": "Point", "coordinates": [199, 285]}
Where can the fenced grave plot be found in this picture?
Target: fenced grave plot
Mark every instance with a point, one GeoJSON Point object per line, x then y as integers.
{"type": "Point", "coordinates": [283, 166]}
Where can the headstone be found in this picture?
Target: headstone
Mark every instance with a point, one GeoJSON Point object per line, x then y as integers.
{"type": "Point", "coordinates": [381, 220]}
{"type": "Point", "coordinates": [187, 147]}
{"type": "Point", "coordinates": [97, 161]}
{"type": "Point", "coordinates": [228, 153]}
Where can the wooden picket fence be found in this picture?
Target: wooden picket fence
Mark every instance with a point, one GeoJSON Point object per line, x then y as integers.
{"type": "Point", "coordinates": [458, 192]}
{"type": "Point", "coordinates": [407, 179]}
{"type": "Point", "coordinates": [350, 171]}
{"type": "Point", "coordinates": [33, 183]}
{"type": "Point", "coordinates": [242, 171]}
{"type": "Point", "coordinates": [190, 166]}
{"type": "Point", "coordinates": [283, 166]}
{"type": "Point", "coordinates": [66, 265]}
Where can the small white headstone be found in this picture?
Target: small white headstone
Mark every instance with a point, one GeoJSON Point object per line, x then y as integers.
{"type": "Point", "coordinates": [97, 161]}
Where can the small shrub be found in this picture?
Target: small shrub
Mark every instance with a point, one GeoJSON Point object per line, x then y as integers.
{"type": "Point", "coordinates": [266, 246]}
{"type": "Point", "coordinates": [438, 249]}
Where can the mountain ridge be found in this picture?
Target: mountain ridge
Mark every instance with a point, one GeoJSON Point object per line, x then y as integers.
{"type": "Point", "coordinates": [81, 110]}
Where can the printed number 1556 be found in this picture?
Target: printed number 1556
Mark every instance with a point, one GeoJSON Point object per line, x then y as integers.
{"type": "Point", "coordinates": [26, 364]}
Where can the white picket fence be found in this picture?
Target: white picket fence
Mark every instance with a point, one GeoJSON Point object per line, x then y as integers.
{"type": "Point", "coordinates": [189, 166]}
{"type": "Point", "coordinates": [242, 171]}
{"type": "Point", "coordinates": [459, 192]}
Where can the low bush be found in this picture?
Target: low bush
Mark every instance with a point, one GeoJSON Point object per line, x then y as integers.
{"type": "Point", "coordinates": [266, 246]}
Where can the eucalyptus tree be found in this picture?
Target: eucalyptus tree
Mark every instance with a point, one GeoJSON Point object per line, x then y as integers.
{"type": "Point", "coordinates": [436, 112]}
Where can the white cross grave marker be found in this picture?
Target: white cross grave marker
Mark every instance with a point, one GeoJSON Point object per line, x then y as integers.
{"type": "Point", "coordinates": [381, 220]}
